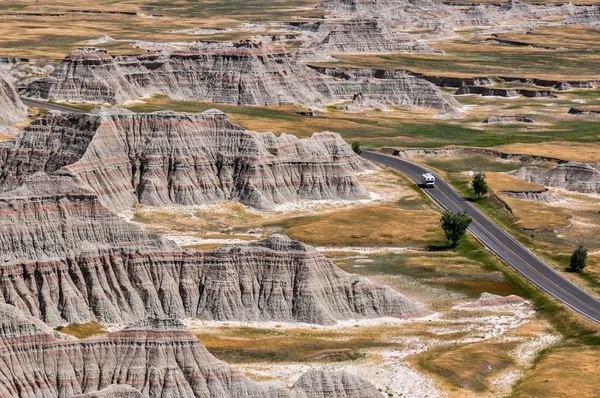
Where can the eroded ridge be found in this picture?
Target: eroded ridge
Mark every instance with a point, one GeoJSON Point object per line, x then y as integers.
{"type": "Point", "coordinates": [166, 158]}
{"type": "Point", "coordinates": [66, 258]}
{"type": "Point", "coordinates": [154, 357]}
{"type": "Point", "coordinates": [12, 109]}
{"type": "Point", "coordinates": [245, 73]}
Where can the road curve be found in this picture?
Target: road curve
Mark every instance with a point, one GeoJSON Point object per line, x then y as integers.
{"type": "Point", "coordinates": [500, 242]}
{"type": "Point", "coordinates": [48, 106]}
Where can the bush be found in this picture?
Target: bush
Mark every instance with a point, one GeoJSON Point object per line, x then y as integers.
{"type": "Point", "coordinates": [356, 147]}
{"type": "Point", "coordinates": [578, 259]}
{"type": "Point", "coordinates": [455, 225]}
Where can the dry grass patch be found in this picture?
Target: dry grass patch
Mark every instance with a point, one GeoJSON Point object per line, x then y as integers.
{"type": "Point", "coordinates": [83, 330]}
{"type": "Point", "coordinates": [560, 150]}
{"type": "Point", "coordinates": [480, 58]}
{"type": "Point", "coordinates": [580, 37]}
{"type": "Point", "coordinates": [7, 136]}
{"type": "Point", "coordinates": [502, 182]}
{"type": "Point", "coordinates": [54, 36]}
{"type": "Point", "coordinates": [533, 215]}
{"type": "Point", "coordinates": [373, 225]}
{"type": "Point", "coordinates": [468, 367]}
{"type": "Point", "coordinates": [247, 344]}
{"type": "Point", "coordinates": [215, 219]}
{"type": "Point", "coordinates": [563, 372]}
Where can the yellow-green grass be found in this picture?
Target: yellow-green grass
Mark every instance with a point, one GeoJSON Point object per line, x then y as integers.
{"type": "Point", "coordinates": [468, 367]}
{"type": "Point", "coordinates": [49, 36]}
{"type": "Point", "coordinates": [468, 273]}
{"type": "Point", "coordinates": [479, 58]}
{"type": "Point", "coordinates": [498, 182]}
{"type": "Point", "coordinates": [372, 225]}
{"type": "Point", "coordinates": [246, 344]}
{"type": "Point", "coordinates": [529, 1]}
{"type": "Point", "coordinates": [576, 37]}
{"type": "Point", "coordinates": [83, 330]}
{"type": "Point", "coordinates": [415, 127]}
{"type": "Point", "coordinates": [463, 162]}
{"type": "Point", "coordinates": [534, 216]}
{"type": "Point", "coordinates": [563, 372]}
{"type": "Point", "coordinates": [534, 225]}
{"type": "Point", "coordinates": [6, 136]}
{"type": "Point", "coordinates": [560, 150]}
{"type": "Point", "coordinates": [213, 221]}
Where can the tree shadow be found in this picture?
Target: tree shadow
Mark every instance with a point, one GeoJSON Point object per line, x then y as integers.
{"type": "Point", "coordinates": [439, 247]}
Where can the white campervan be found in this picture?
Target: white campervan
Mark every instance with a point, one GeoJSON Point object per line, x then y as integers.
{"type": "Point", "coordinates": [428, 180]}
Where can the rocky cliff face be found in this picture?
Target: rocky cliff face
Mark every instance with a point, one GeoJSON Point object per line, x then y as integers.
{"type": "Point", "coordinates": [426, 14]}
{"type": "Point", "coordinates": [573, 176]}
{"type": "Point", "coordinates": [51, 217]}
{"type": "Point", "coordinates": [12, 109]}
{"type": "Point", "coordinates": [368, 35]}
{"type": "Point", "coordinates": [66, 258]}
{"type": "Point", "coordinates": [168, 158]}
{"type": "Point", "coordinates": [318, 383]}
{"type": "Point", "coordinates": [244, 74]}
{"type": "Point", "coordinates": [152, 358]}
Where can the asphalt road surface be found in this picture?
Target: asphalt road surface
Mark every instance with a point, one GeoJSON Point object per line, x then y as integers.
{"type": "Point", "coordinates": [48, 106]}
{"type": "Point", "coordinates": [499, 242]}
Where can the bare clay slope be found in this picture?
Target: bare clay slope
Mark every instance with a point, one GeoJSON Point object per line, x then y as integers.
{"type": "Point", "coordinates": [167, 158]}
{"type": "Point", "coordinates": [246, 73]}
{"type": "Point", "coordinates": [66, 258]}
{"type": "Point", "coordinates": [368, 35]}
{"type": "Point", "coordinates": [12, 109]}
{"type": "Point", "coordinates": [427, 14]}
{"type": "Point", "coordinates": [572, 176]}
{"type": "Point", "coordinates": [151, 358]}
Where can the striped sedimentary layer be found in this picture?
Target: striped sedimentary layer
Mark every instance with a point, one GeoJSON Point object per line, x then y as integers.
{"type": "Point", "coordinates": [168, 158]}
{"type": "Point", "coordinates": [512, 14]}
{"type": "Point", "coordinates": [572, 176]}
{"type": "Point", "coordinates": [66, 258]}
{"type": "Point", "coordinates": [368, 35]}
{"type": "Point", "coordinates": [243, 74]}
{"type": "Point", "coordinates": [12, 109]}
{"type": "Point", "coordinates": [151, 358]}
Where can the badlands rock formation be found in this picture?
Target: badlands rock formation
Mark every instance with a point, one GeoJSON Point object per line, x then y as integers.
{"type": "Point", "coordinates": [168, 158]}
{"type": "Point", "coordinates": [572, 176]}
{"type": "Point", "coordinates": [151, 358]}
{"type": "Point", "coordinates": [12, 109]}
{"type": "Point", "coordinates": [546, 196]}
{"type": "Point", "coordinates": [242, 74]}
{"type": "Point", "coordinates": [318, 383]}
{"type": "Point", "coordinates": [493, 300]}
{"type": "Point", "coordinates": [66, 258]}
{"type": "Point", "coordinates": [113, 391]}
{"type": "Point", "coordinates": [427, 14]}
{"type": "Point", "coordinates": [368, 36]}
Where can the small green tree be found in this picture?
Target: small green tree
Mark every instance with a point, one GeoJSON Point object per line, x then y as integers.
{"type": "Point", "coordinates": [479, 185]}
{"type": "Point", "coordinates": [578, 259]}
{"type": "Point", "coordinates": [455, 225]}
{"type": "Point", "coordinates": [356, 147]}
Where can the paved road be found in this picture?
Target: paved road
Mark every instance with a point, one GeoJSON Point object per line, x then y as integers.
{"type": "Point", "coordinates": [49, 106]}
{"type": "Point", "coordinates": [500, 242]}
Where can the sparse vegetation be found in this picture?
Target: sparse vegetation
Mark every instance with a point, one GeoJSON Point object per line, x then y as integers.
{"type": "Point", "coordinates": [83, 330]}
{"type": "Point", "coordinates": [455, 226]}
{"type": "Point", "coordinates": [578, 259]}
{"type": "Point", "coordinates": [470, 366]}
{"type": "Point", "coordinates": [479, 184]}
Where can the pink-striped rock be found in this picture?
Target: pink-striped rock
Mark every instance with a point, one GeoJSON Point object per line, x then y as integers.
{"type": "Point", "coordinates": [166, 158]}
{"type": "Point", "coordinates": [152, 358]}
